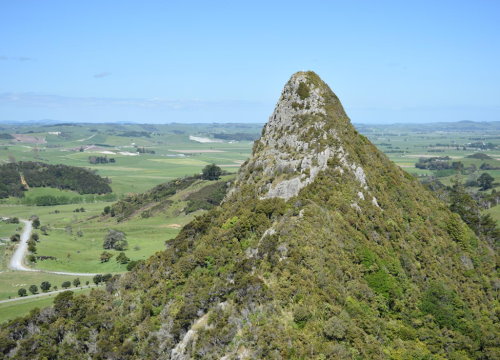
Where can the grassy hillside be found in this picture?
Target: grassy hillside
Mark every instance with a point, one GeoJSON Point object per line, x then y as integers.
{"type": "Point", "coordinates": [72, 235]}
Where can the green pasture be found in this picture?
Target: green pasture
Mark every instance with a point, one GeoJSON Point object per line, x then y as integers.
{"type": "Point", "coordinates": [14, 309]}
{"type": "Point", "coordinates": [12, 281]}
{"type": "Point", "coordinates": [82, 254]}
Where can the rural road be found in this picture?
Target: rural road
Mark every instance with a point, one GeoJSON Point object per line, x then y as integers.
{"type": "Point", "coordinates": [44, 294]}
{"type": "Point", "coordinates": [16, 262]}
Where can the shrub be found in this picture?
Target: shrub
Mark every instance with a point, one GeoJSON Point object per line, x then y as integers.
{"type": "Point", "coordinates": [303, 91]}
{"type": "Point", "coordinates": [122, 258]}
{"type": "Point", "coordinates": [211, 172]}
{"type": "Point", "coordinates": [97, 279]}
{"type": "Point", "coordinates": [15, 237]}
{"type": "Point", "coordinates": [105, 256]}
{"type": "Point", "coordinates": [443, 304]}
{"type": "Point", "coordinates": [36, 222]}
{"type": "Point", "coordinates": [132, 264]}
{"type": "Point", "coordinates": [384, 284]}
{"type": "Point", "coordinates": [301, 315]}
{"type": "Point", "coordinates": [335, 328]}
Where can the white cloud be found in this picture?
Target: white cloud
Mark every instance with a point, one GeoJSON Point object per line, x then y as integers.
{"type": "Point", "coordinates": [58, 101]}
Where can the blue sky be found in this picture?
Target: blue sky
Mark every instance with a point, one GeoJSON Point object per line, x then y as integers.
{"type": "Point", "coordinates": [227, 61]}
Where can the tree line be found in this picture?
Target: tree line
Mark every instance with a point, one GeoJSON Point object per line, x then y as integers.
{"type": "Point", "coordinates": [37, 174]}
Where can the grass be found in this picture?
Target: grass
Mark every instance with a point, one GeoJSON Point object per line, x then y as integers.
{"type": "Point", "coordinates": [494, 212]}
{"type": "Point", "coordinates": [6, 246]}
{"type": "Point", "coordinates": [76, 238]}
{"type": "Point", "coordinates": [12, 281]}
{"type": "Point", "coordinates": [82, 254]}
{"type": "Point", "coordinates": [12, 310]}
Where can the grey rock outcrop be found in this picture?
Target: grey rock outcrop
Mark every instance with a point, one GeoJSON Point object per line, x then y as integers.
{"type": "Point", "coordinates": [289, 156]}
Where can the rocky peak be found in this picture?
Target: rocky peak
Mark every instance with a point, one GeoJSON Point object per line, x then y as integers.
{"type": "Point", "coordinates": [307, 132]}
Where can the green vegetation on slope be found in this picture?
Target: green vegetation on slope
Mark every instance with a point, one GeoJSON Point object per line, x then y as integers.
{"type": "Point", "coordinates": [326, 274]}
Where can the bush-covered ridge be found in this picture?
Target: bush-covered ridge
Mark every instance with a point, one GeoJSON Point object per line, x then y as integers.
{"type": "Point", "coordinates": [325, 274]}
{"type": "Point", "coordinates": [160, 198]}
{"type": "Point", "coordinates": [37, 174]}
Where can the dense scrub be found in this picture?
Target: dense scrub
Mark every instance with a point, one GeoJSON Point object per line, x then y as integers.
{"type": "Point", "coordinates": [37, 174]}
{"type": "Point", "coordinates": [160, 198]}
{"type": "Point", "coordinates": [207, 197]}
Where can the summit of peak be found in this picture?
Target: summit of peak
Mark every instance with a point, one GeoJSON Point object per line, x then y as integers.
{"type": "Point", "coordinates": [306, 99]}
{"type": "Point", "coordinates": [307, 131]}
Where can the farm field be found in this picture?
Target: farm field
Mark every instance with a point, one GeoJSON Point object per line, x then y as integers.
{"type": "Point", "coordinates": [144, 155]}
{"type": "Point", "coordinates": [407, 145]}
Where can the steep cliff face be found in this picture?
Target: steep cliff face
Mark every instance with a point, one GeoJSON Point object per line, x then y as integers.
{"type": "Point", "coordinates": [322, 249]}
{"type": "Point", "coordinates": [305, 134]}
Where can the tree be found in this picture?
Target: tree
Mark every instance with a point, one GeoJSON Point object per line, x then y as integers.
{"type": "Point", "coordinates": [106, 277]}
{"type": "Point", "coordinates": [32, 246]}
{"type": "Point", "coordinates": [63, 302]}
{"type": "Point", "coordinates": [105, 256]}
{"type": "Point", "coordinates": [76, 282]}
{"type": "Point", "coordinates": [464, 205]}
{"type": "Point", "coordinates": [45, 286]}
{"type": "Point", "coordinates": [211, 172]}
{"type": "Point", "coordinates": [22, 292]}
{"type": "Point", "coordinates": [15, 237]}
{"type": "Point", "coordinates": [115, 239]}
{"type": "Point", "coordinates": [33, 289]}
{"type": "Point", "coordinates": [44, 230]}
{"type": "Point", "coordinates": [66, 284]}
{"type": "Point", "coordinates": [97, 279]}
{"type": "Point", "coordinates": [35, 237]}
{"type": "Point", "coordinates": [131, 265]}
{"type": "Point", "coordinates": [122, 258]}
{"type": "Point", "coordinates": [485, 181]}
{"type": "Point", "coordinates": [36, 222]}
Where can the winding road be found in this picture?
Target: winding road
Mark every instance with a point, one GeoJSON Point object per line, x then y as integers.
{"type": "Point", "coordinates": [17, 260]}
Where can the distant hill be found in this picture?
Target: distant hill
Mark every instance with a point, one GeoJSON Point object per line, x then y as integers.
{"type": "Point", "coordinates": [481, 156]}
{"type": "Point", "coordinates": [458, 126]}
